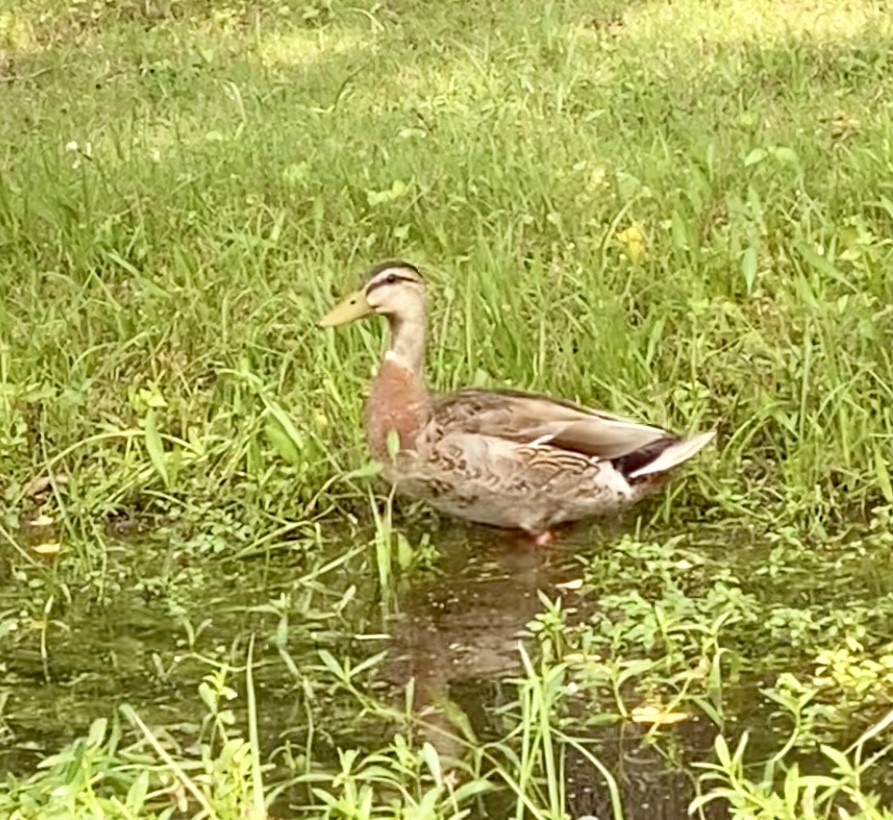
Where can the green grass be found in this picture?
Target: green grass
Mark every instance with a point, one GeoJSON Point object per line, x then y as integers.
{"type": "Point", "coordinates": [680, 211]}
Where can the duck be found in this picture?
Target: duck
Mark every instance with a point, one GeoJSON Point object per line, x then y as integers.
{"type": "Point", "coordinates": [500, 457]}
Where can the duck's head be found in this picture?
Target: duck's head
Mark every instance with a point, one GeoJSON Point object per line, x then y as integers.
{"type": "Point", "coordinates": [394, 289]}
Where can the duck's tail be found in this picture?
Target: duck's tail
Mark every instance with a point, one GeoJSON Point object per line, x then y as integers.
{"type": "Point", "coordinates": [672, 455]}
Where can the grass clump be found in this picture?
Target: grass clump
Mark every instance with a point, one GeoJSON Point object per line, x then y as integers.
{"type": "Point", "coordinates": [172, 233]}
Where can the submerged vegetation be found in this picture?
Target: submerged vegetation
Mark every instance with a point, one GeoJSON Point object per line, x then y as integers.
{"type": "Point", "coordinates": [209, 607]}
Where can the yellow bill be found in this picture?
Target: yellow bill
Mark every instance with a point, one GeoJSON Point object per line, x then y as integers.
{"type": "Point", "coordinates": [353, 307]}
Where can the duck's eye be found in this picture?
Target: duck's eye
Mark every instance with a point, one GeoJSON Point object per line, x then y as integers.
{"type": "Point", "coordinates": [391, 278]}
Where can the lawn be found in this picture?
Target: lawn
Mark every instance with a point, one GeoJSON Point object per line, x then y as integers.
{"type": "Point", "coordinates": [679, 210]}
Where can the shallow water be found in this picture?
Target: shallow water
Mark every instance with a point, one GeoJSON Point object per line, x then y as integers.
{"type": "Point", "coordinates": [455, 631]}
{"type": "Point", "coordinates": [459, 637]}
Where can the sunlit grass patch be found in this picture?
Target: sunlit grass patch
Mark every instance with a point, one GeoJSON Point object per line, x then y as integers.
{"type": "Point", "coordinates": [762, 22]}
{"type": "Point", "coordinates": [301, 46]}
{"type": "Point", "coordinates": [16, 35]}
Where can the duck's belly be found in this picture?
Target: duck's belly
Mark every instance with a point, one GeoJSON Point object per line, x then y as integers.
{"type": "Point", "coordinates": [531, 500]}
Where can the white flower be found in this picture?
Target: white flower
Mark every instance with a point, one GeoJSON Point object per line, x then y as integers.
{"type": "Point", "coordinates": [71, 146]}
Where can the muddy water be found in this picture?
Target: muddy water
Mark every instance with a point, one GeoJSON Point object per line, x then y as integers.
{"type": "Point", "coordinates": [454, 631]}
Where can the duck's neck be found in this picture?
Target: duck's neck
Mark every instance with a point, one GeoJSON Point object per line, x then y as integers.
{"type": "Point", "coordinates": [399, 400]}
{"type": "Point", "coordinates": [407, 343]}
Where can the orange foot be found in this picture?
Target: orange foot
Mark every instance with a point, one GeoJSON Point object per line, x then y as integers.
{"type": "Point", "coordinates": [544, 539]}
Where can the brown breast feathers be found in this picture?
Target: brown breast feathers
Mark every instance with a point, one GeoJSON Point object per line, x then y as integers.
{"type": "Point", "coordinates": [398, 402]}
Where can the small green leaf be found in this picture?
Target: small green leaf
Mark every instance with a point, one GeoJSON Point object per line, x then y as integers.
{"type": "Point", "coordinates": [404, 552]}
{"type": "Point", "coordinates": [468, 790]}
{"type": "Point", "coordinates": [823, 265]}
{"type": "Point", "coordinates": [722, 752]}
{"type": "Point", "coordinates": [368, 470]}
{"type": "Point", "coordinates": [710, 160]}
{"type": "Point", "coordinates": [842, 764]}
{"type": "Point", "coordinates": [329, 799]}
{"type": "Point", "coordinates": [432, 761]}
{"type": "Point", "coordinates": [369, 663]}
{"type": "Point", "coordinates": [788, 156]}
{"type": "Point", "coordinates": [208, 695]}
{"type": "Point", "coordinates": [883, 476]}
{"type": "Point", "coordinates": [155, 447]}
{"type": "Point", "coordinates": [792, 788]}
{"type": "Point", "coordinates": [285, 422]}
{"type": "Point", "coordinates": [628, 186]}
{"type": "Point", "coordinates": [806, 293]}
{"type": "Point", "coordinates": [97, 732]}
{"type": "Point", "coordinates": [755, 156]}
{"type": "Point", "coordinates": [749, 268]}
{"type": "Point", "coordinates": [136, 795]}
{"type": "Point", "coordinates": [282, 443]}
{"type": "Point", "coordinates": [679, 232]}
{"type": "Point", "coordinates": [393, 443]}
{"type": "Point", "coordinates": [332, 665]}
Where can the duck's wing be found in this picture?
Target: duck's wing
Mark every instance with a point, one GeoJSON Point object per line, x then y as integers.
{"type": "Point", "coordinates": [529, 418]}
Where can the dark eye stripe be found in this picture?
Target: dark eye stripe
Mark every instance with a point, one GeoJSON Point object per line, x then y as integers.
{"type": "Point", "coordinates": [391, 279]}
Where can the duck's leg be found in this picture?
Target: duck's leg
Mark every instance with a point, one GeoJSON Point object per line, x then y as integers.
{"type": "Point", "coordinates": [544, 539]}
{"type": "Point", "coordinates": [529, 539]}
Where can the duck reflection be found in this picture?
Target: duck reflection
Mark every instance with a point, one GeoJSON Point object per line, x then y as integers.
{"type": "Point", "coordinates": [456, 645]}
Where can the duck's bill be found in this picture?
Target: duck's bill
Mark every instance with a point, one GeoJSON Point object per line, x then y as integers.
{"type": "Point", "coordinates": [353, 307]}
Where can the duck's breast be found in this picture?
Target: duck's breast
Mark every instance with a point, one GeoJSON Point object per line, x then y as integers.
{"type": "Point", "coordinates": [399, 403]}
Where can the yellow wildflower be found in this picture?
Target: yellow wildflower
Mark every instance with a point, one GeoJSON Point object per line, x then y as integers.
{"type": "Point", "coordinates": [633, 241]}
